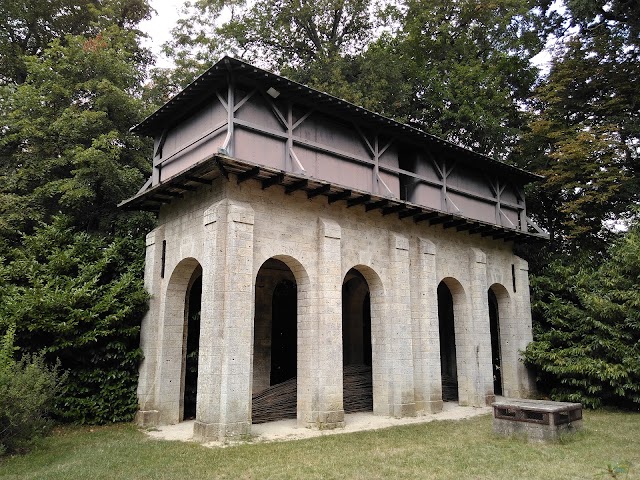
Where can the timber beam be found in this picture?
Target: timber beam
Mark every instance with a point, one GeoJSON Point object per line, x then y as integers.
{"type": "Point", "coordinates": [408, 213]}
{"type": "Point", "coordinates": [358, 201]}
{"type": "Point", "coordinates": [375, 205]}
{"type": "Point", "coordinates": [443, 219]}
{"type": "Point", "coordinates": [246, 175]}
{"type": "Point", "coordinates": [343, 195]}
{"type": "Point", "coordinates": [289, 189]}
{"type": "Point", "coordinates": [393, 209]}
{"type": "Point", "coordinates": [321, 190]}
{"type": "Point", "coordinates": [276, 179]}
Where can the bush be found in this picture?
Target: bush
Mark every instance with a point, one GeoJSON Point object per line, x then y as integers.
{"type": "Point", "coordinates": [79, 298]}
{"type": "Point", "coordinates": [586, 311]}
{"type": "Point", "coordinates": [27, 391]}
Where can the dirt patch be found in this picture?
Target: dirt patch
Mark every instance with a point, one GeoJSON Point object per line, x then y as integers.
{"type": "Point", "coordinates": [285, 430]}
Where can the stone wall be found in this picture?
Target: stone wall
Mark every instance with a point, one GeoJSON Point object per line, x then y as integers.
{"type": "Point", "coordinates": [231, 230]}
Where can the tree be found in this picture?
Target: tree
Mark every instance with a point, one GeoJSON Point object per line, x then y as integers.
{"type": "Point", "coordinates": [583, 135]}
{"type": "Point", "coordinates": [296, 38]}
{"type": "Point", "coordinates": [587, 326]}
{"type": "Point", "coordinates": [585, 131]}
{"type": "Point", "coordinates": [66, 147]}
{"type": "Point", "coordinates": [77, 299]}
{"type": "Point", "coordinates": [27, 28]}
{"type": "Point", "coordinates": [71, 270]}
{"type": "Point", "coordinates": [468, 63]}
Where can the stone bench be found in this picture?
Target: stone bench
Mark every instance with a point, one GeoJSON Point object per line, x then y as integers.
{"type": "Point", "coordinates": [539, 420]}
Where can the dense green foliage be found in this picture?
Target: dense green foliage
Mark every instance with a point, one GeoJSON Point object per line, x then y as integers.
{"type": "Point", "coordinates": [28, 388]}
{"type": "Point", "coordinates": [71, 262]}
{"type": "Point", "coordinates": [79, 298]}
{"type": "Point", "coordinates": [588, 326]}
{"type": "Point", "coordinates": [66, 147]}
{"type": "Point", "coordinates": [583, 135]}
{"type": "Point", "coordinates": [469, 67]}
{"type": "Point", "coordinates": [585, 130]}
{"type": "Point", "coordinates": [27, 28]}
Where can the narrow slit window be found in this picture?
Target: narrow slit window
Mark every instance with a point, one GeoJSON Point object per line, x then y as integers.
{"type": "Point", "coordinates": [164, 258]}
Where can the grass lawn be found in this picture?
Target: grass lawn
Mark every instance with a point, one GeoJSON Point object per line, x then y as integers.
{"type": "Point", "coordinates": [464, 449]}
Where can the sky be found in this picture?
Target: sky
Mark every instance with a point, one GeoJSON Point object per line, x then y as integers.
{"type": "Point", "coordinates": [159, 26]}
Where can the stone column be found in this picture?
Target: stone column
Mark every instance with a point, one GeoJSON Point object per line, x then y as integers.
{"type": "Point", "coordinates": [211, 327]}
{"type": "Point", "coordinates": [327, 409]}
{"type": "Point", "coordinates": [226, 335]}
{"type": "Point", "coordinates": [523, 328]}
{"type": "Point", "coordinates": [262, 331]}
{"type": "Point", "coordinates": [399, 331]}
{"type": "Point", "coordinates": [478, 350]}
{"type": "Point", "coordinates": [148, 414]}
{"type": "Point", "coordinates": [426, 341]}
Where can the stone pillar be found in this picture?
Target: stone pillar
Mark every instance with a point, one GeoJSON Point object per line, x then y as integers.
{"type": "Point", "coordinates": [523, 328]}
{"type": "Point", "coordinates": [478, 349]}
{"type": "Point", "coordinates": [211, 327]}
{"type": "Point", "coordinates": [426, 342]}
{"type": "Point", "coordinates": [262, 331]}
{"type": "Point", "coordinates": [399, 331]}
{"type": "Point", "coordinates": [148, 415]}
{"type": "Point", "coordinates": [509, 339]}
{"type": "Point", "coordinates": [226, 331]}
{"type": "Point", "coordinates": [327, 409]}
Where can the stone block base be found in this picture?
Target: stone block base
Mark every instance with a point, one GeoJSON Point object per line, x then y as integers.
{"type": "Point", "coordinates": [429, 407]}
{"type": "Point", "coordinates": [209, 432]}
{"type": "Point", "coordinates": [323, 420]}
{"type": "Point", "coordinates": [403, 410]}
{"type": "Point", "coordinates": [147, 418]}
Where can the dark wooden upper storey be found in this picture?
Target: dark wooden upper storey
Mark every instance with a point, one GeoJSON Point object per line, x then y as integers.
{"type": "Point", "coordinates": [238, 118]}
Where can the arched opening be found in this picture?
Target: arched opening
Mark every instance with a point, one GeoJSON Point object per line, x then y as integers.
{"type": "Point", "coordinates": [193, 305]}
{"type": "Point", "coordinates": [448, 359]}
{"type": "Point", "coordinates": [274, 386]}
{"type": "Point", "coordinates": [180, 334]}
{"type": "Point", "coordinates": [283, 331]}
{"type": "Point", "coordinates": [356, 343]}
{"type": "Point", "coordinates": [496, 354]}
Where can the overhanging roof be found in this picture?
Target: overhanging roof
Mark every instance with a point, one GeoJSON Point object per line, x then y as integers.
{"type": "Point", "coordinates": [204, 86]}
{"type": "Point", "coordinates": [210, 169]}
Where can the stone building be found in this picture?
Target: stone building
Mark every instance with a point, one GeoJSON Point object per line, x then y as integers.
{"type": "Point", "coordinates": [299, 234]}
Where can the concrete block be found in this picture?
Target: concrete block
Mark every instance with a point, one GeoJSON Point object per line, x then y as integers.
{"type": "Point", "coordinates": [538, 420]}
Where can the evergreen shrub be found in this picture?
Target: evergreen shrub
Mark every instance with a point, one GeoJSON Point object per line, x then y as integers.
{"type": "Point", "coordinates": [79, 299]}
{"type": "Point", "coordinates": [27, 391]}
{"type": "Point", "coordinates": [586, 312]}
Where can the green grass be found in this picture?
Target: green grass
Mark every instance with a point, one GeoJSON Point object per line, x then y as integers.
{"type": "Point", "coordinates": [441, 450]}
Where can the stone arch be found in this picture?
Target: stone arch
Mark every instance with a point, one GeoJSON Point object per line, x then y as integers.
{"type": "Point", "coordinates": [452, 316]}
{"type": "Point", "coordinates": [191, 345]}
{"type": "Point", "coordinates": [365, 283]}
{"type": "Point", "coordinates": [281, 306]}
{"type": "Point", "coordinates": [500, 318]}
{"type": "Point", "coordinates": [174, 332]}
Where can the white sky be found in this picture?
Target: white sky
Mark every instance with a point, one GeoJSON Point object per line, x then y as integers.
{"type": "Point", "coordinates": [160, 25]}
